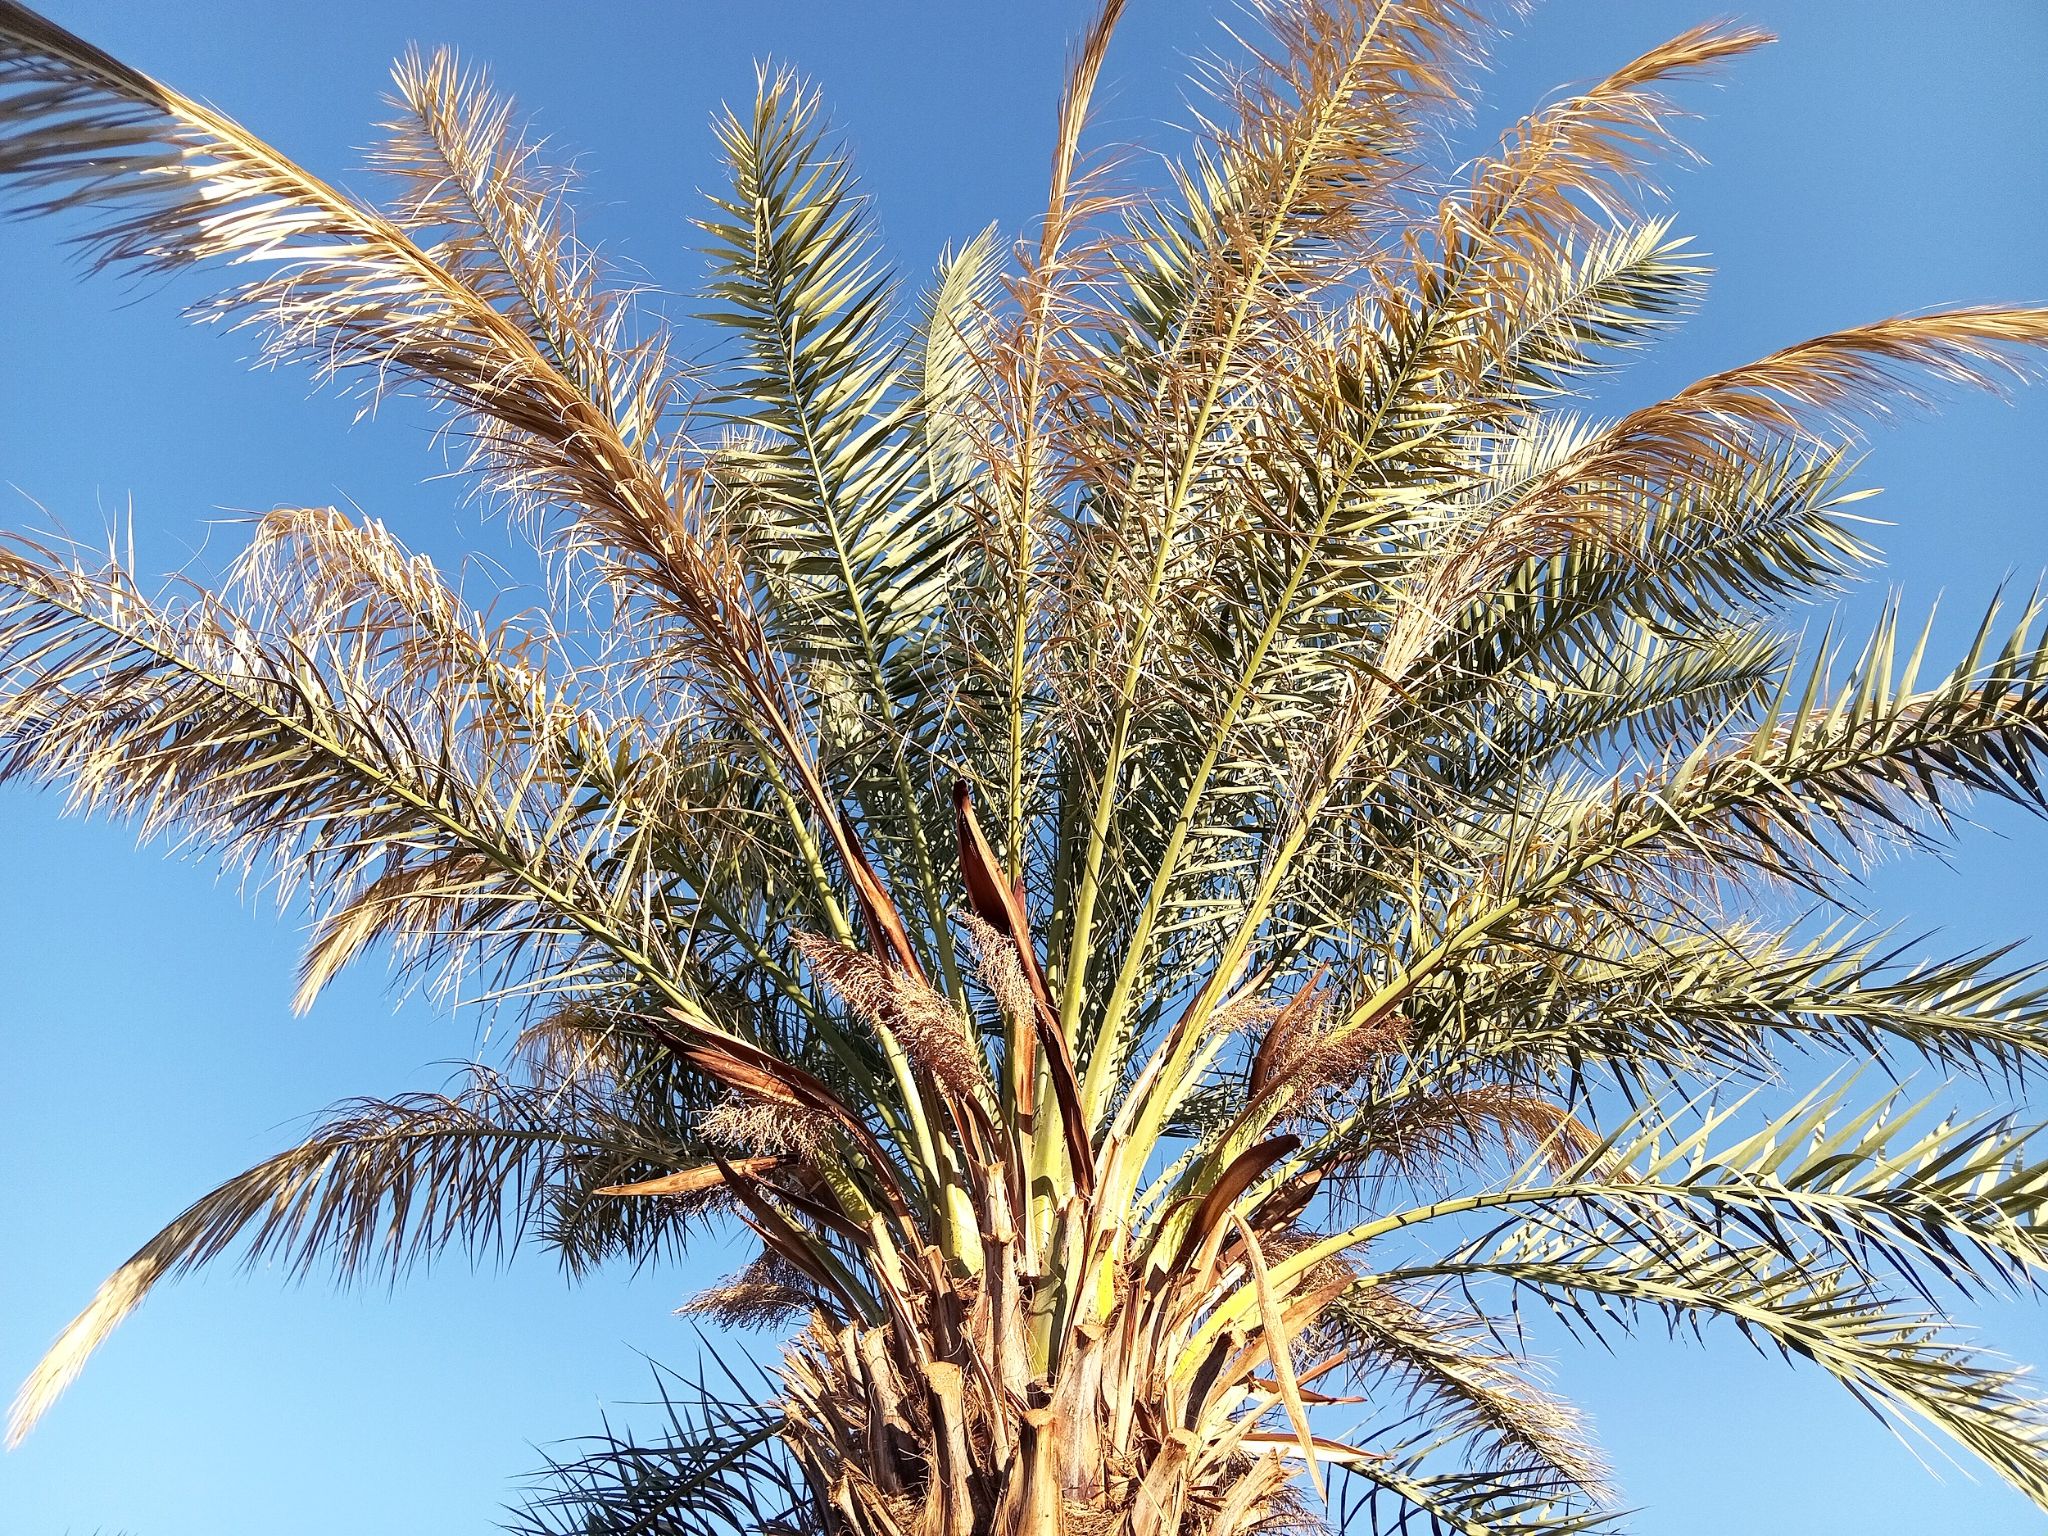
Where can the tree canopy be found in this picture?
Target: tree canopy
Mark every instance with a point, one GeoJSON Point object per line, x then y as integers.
{"type": "Point", "coordinates": [1178, 823]}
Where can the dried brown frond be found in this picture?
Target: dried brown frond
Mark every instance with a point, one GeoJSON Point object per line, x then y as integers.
{"type": "Point", "coordinates": [1083, 71]}
{"type": "Point", "coordinates": [1563, 177]}
{"type": "Point", "coordinates": [378, 1187]}
{"type": "Point", "coordinates": [490, 209]}
{"type": "Point", "coordinates": [1329, 119]}
{"type": "Point", "coordinates": [180, 184]}
{"type": "Point", "coordinates": [1567, 169]}
{"type": "Point", "coordinates": [1863, 369]}
{"type": "Point", "coordinates": [1808, 392]}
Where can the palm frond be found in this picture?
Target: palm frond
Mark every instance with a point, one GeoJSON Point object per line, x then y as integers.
{"type": "Point", "coordinates": [712, 1468]}
{"type": "Point", "coordinates": [486, 206]}
{"type": "Point", "coordinates": [1901, 1362]}
{"type": "Point", "coordinates": [269, 738]}
{"type": "Point", "coordinates": [379, 1187]}
{"type": "Point", "coordinates": [1416, 847]}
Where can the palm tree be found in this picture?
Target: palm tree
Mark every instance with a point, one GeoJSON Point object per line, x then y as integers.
{"type": "Point", "coordinates": [1176, 828]}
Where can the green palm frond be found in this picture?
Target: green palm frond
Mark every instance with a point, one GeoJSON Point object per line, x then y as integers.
{"type": "Point", "coordinates": [1614, 293]}
{"type": "Point", "coordinates": [1166, 830]}
{"type": "Point", "coordinates": [1401, 1496]}
{"type": "Point", "coordinates": [713, 1469]}
{"type": "Point", "coordinates": [1656, 1009]}
{"type": "Point", "coordinates": [1897, 1359]}
{"type": "Point", "coordinates": [829, 483]}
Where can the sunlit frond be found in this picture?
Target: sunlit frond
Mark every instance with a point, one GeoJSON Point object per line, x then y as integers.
{"type": "Point", "coordinates": [1166, 831]}
{"type": "Point", "coordinates": [377, 1188]}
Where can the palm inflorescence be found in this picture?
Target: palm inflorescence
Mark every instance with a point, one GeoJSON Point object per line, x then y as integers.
{"type": "Point", "coordinates": [1179, 826]}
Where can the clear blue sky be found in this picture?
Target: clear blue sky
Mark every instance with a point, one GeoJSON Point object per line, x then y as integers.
{"type": "Point", "coordinates": [1886, 156]}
